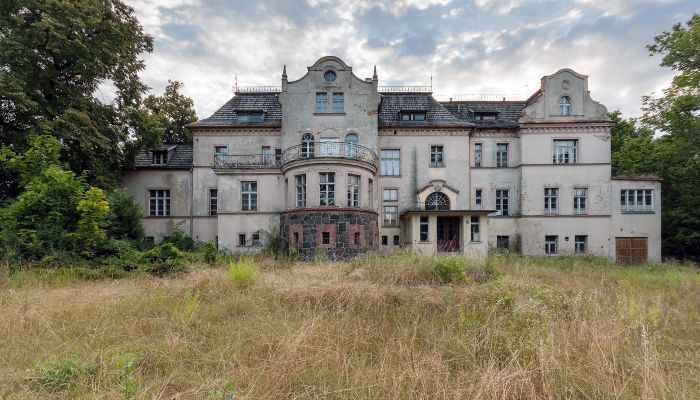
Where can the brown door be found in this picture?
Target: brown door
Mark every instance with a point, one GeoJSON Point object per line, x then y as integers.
{"type": "Point", "coordinates": [448, 234]}
{"type": "Point", "coordinates": [631, 250]}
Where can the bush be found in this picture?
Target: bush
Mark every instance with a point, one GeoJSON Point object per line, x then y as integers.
{"type": "Point", "coordinates": [180, 240]}
{"type": "Point", "coordinates": [242, 272]}
{"type": "Point", "coordinates": [124, 220]}
{"type": "Point", "coordinates": [59, 373]}
{"type": "Point", "coordinates": [449, 270]}
{"type": "Point", "coordinates": [164, 259]}
{"type": "Point", "coordinates": [121, 254]}
{"type": "Point", "coordinates": [211, 253]}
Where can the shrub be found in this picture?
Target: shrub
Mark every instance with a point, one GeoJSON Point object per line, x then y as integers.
{"type": "Point", "coordinates": [164, 259]}
{"type": "Point", "coordinates": [242, 272]}
{"type": "Point", "coordinates": [121, 254]}
{"type": "Point", "coordinates": [124, 220]}
{"type": "Point", "coordinates": [211, 253]}
{"type": "Point", "coordinates": [180, 240]}
{"type": "Point", "coordinates": [449, 270]}
{"type": "Point", "coordinates": [59, 373]}
{"type": "Point", "coordinates": [90, 233]}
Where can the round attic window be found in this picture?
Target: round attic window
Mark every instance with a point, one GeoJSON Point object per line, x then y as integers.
{"type": "Point", "coordinates": [329, 76]}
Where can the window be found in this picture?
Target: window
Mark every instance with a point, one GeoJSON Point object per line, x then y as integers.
{"type": "Point", "coordinates": [550, 200]}
{"type": "Point", "coordinates": [159, 202]}
{"type": "Point", "coordinates": [241, 239]}
{"type": "Point", "coordinates": [307, 145]}
{"type": "Point", "coordinates": [502, 242]}
{"type": "Point", "coordinates": [385, 240]}
{"type": "Point", "coordinates": [329, 76]}
{"type": "Point", "coordinates": [397, 240]}
{"type": "Point", "coordinates": [327, 188]}
{"type": "Point", "coordinates": [266, 155]}
{"type": "Point", "coordinates": [370, 193]}
{"type": "Point", "coordinates": [485, 116]}
{"type": "Point", "coordinates": [564, 151]}
{"type": "Point", "coordinates": [637, 200]}
{"type": "Point", "coordinates": [502, 202]}
{"type": "Point", "coordinates": [478, 199]}
{"type": "Point", "coordinates": [476, 237]}
{"type": "Point", "coordinates": [295, 239]}
{"type": "Point", "coordinates": [390, 162]}
{"type": "Point", "coordinates": [249, 196]}
{"type": "Point", "coordinates": [300, 183]}
{"type": "Point", "coordinates": [351, 145]}
{"type": "Point", "coordinates": [436, 156]}
{"type": "Point", "coordinates": [390, 194]}
{"type": "Point", "coordinates": [220, 151]}
{"type": "Point", "coordinates": [413, 116]}
{"type": "Point", "coordinates": [249, 116]}
{"type": "Point", "coordinates": [550, 244]}
{"type": "Point", "coordinates": [325, 238]}
{"type": "Point", "coordinates": [255, 239]}
{"type": "Point", "coordinates": [390, 215]}
{"type": "Point", "coordinates": [565, 106]}
{"type": "Point", "coordinates": [353, 190]}
{"type": "Point", "coordinates": [338, 102]}
{"type": "Point", "coordinates": [424, 226]}
{"type": "Point", "coordinates": [437, 201]}
{"type": "Point", "coordinates": [356, 239]}
{"type": "Point", "coordinates": [580, 243]}
{"type": "Point", "coordinates": [159, 157]}
{"type": "Point", "coordinates": [502, 154]}
{"type": "Point", "coordinates": [477, 155]}
{"type": "Point", "coordinates": [321, 102]}
{"type": "Point", "coordinates": [278, 157]}
{"type": "Point", "coordinates": [213, 201]}
{"type": "Point", "coordinates": [580, 200]}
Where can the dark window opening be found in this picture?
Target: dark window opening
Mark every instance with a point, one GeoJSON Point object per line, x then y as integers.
{"type": "Point", "coordinates": [385, 240]}
{"type": "Point", "coordinates": [256, 239]}
{"type": "Point", "coordinates": [356, 239]}
{"type": "Point", "coordinates": [502, 242]}
{"type": "Point", "coordinates": [325, 237]}
{"type": "Point", "coordinates": [424, 229]}
{"type": "Point", "coordinates": [485, 116]}
{"type": "Point", "coordinates": [413, 116]}
{"type": "Point", "coordinates": [241, 239]}
{"type": "Point", "coordinates": [397, 240]}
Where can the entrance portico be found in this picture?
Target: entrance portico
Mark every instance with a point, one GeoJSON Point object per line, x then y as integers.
{"type": "Point", "coordinates": [446, 231]}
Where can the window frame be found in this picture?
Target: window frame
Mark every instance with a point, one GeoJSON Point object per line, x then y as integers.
{"type": "Point", "coordinates": [161, 209]}
{"type": "Point", "coordinates": [249, 198]}
{"type": "Point", "coordinates": [395, 222]}
{"type": "Point", "coordinates": [625, 207]}
{"type": "Point", "coordinates": [500, 156]}
{"type": "Point", "coordinates": [559, 156]}
{"type": "Point", "coordinates": [353, 190]}
{"type": "Point", "coordinates": [396, 190]}
{"type": "Point", "coordinates": [548, 200]}
{"type": "Point", "coordinates": [478, 154]}
{"type": "Point", "coordinates": [565, 107]}
{"type": "Point", "coordinates": [578, 210]}
{"type": "Point", "coordinates": [159, 157]}
{"type": "Point", "coordinates": [478, 198]}
{"type": "Point", "coordinates": [326, 190]}
{"type": "Point", "coordinates": [338, 98]}
{"type": "Point", "coordinates": [321, 102]}
{"type": "Point", "coordinates": [475, 229]}
{"type": "Point", "coordinates": [503, 203]}
{"type": "Point", "coordinates": [213, 201]}
{"type": "Point", "coordinates": [300, 190]}
{"type": "Point", "coordinates": [395, 162]}
{"type": "Point", "coordinates": [424, 234]}
{"type": "Point", "coordinates": [551, 246]}
{"type": "Point", "coordinates": [580, 247]}
{"type": "Point", "coordinates": [437, 151]}
{"type": "Point", "coordinates": [413, 116]}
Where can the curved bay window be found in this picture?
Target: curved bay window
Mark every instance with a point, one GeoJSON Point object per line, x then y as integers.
{"type": "Point", "coordinates": [307, 145]}
{"type": "Point", "coordinates": [437, 201]}
{"type": "Point", "coordinates": [565, 106]}
{"type": "Point", "coordinates": [351, 145]}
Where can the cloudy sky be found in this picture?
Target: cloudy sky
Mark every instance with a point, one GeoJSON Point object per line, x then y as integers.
{"type": "Point", "coordinates": [479, 46]}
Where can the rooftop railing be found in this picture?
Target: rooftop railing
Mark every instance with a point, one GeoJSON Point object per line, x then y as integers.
{"type": "Point", "coordinates": [405, 89]}
{"type": "Point", "coordinates": [257, 89]}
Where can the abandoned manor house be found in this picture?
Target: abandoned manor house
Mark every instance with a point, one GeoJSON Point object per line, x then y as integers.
{"type": "Point", "coordinates": [338, 164]}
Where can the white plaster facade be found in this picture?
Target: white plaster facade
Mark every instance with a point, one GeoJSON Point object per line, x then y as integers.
{"type": "Point", "coordinates": [259, 135]}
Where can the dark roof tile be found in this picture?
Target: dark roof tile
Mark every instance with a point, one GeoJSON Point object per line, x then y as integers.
{"type": "Point", "coordinates": [179, 157]}
{"type": "Point", "coordinates": [227, 115]}
{"type": "Point", "coordinates": [509, 112]}
{"type": "Point", "coordinates": [436, 115]}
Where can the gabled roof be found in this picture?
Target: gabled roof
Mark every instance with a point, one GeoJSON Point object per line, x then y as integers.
{"type": "Point", "coordinates": [393, 104]}
{"type": "Point", "coordinates": [227, 115]}
{"type": "Point", "coordinates": [179, 156]}
{"type": "Point", "coordinates": [509, 112]}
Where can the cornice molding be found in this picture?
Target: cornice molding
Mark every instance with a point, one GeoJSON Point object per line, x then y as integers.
{"type": "Point", "coordinates": [238, 132]}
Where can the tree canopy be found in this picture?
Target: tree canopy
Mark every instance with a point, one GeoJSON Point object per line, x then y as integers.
{"type": "Point", "coordinates": [175, 111]}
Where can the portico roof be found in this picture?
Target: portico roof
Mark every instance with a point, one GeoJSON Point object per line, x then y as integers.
{"type": "Point", "coordinates": [446, 213]}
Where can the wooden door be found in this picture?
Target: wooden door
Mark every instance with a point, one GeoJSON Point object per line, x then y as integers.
{"type": "Point", "coordinates": [448, 234]}
{"type": "Point", "coordinates": [631, 250]}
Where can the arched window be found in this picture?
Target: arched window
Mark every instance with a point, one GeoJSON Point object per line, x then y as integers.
{"type": "Point", "coordinates": [351, 145]}
{"type": "Point", "coordinates": [565, 106]}
{"type": "Point", "coordinates": [437, 201]}
{"type": "Point", "coordinates": [307, 145]}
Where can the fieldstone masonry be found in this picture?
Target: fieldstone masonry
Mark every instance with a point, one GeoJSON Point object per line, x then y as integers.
{"type": "Point", "coordinates": [341, 225]}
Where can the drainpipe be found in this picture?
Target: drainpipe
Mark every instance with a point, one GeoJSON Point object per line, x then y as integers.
{"type": "Point", "coordinates": [191, 202]}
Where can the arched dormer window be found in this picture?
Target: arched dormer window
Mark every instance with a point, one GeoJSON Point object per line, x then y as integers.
{"type": "Point", "coordinates": [351, 145]}
{"type": "Point", "coordinates": [437, 201]}
{"type": "Point", "coordinates": [307, 145]}
{"type": "Point", "coordinates": [565, 106]}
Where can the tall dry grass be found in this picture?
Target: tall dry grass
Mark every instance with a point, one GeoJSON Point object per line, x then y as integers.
{"type": "Point", "coordinates": [536, 328]}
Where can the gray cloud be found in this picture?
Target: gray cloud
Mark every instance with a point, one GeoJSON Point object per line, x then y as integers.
{"type": "Point", "coordinates": [502, 46]}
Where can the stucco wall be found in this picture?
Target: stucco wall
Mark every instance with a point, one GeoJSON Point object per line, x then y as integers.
{"type": "Point", "coordinates": [638, 224]}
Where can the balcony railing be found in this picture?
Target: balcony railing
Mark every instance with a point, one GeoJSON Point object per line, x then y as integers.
{"type": "Point", "coordinates": [247, 161]}
{"type": "Point", "coordinates": [325, 150]}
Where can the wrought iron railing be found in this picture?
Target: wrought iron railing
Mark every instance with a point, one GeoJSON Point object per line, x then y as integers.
{"type": "Point", "coordinates": [405, 89]}
{"type": "Point", "coordinates": [257, 89]}
{"type": "Point", "coordinates": [321, 150]}
{"type": "Point", "coordinates": [247, 161]}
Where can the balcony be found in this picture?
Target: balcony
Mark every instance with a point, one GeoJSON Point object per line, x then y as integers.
{"type": "Point", "coordinates": [247, 161]}
{"type": "Point", "coordinates": [329, 150]}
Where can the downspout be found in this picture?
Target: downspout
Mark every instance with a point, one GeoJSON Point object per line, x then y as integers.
{"type": "Point", "coordinates": [191, 201]}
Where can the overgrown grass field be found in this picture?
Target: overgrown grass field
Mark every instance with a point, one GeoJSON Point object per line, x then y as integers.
{"type": "Point", "coordinates": [399, 327]}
